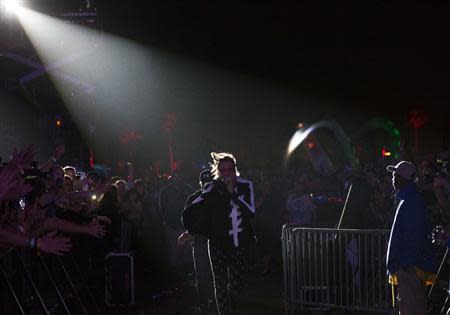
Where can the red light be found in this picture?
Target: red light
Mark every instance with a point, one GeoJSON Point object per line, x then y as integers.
{"type": "Point", "coordinates": [91, 158]}
{"type": "Point", "coordinates": [310, 145]}
{"type": "Point", "coordinates": [417, 118]}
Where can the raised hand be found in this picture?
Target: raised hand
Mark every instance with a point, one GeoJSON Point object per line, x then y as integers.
{"type": "Point", "coordinates": [103, 219]}
{"type": "Point", "coordinates": [7, 177]}
{"type": "Point", "coordinates": [95, 229]}
{"type": "Point", "coordinates": [220, 186]}
{"type": "Point", "coordinates": [54, 244]}
{"type": "Point", "coordinates": [230, 183]}
{"type": "Point", "coordinates": [23, 158]}
{"type": "Point", "coordinates": [12, 185]}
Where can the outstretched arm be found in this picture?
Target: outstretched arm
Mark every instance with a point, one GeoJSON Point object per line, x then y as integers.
{"type": "Point", "coordinates": [49, 243]}
{"type": "Point", "coordinates": [59, 151]}
{"type": "Point", "coordinates": [93, 229]}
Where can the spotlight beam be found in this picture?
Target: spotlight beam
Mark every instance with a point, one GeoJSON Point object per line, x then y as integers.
{"type": "Point", "coordinates": [41, 69]}
{"type": "Point", "coordinates": [51, 67]}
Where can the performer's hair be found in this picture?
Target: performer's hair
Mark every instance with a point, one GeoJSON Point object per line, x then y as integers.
{"type": "Point", "coordinates": [219, 157]}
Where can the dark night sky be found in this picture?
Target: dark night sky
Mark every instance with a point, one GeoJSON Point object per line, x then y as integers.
{"type": "Point", "coordinates": [354, 60]}
{"type": "Point", "coordinates": [381, 54]}
{"type": "Point", "coordinates": [358, 60]}
{"type": "Point", "coordinates": [351, 54]}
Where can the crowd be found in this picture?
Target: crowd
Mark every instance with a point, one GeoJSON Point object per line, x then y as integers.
{"type": "Point", "coordinates": [46, 208]}
{"type": "Point", "coordinates": [51, 209]}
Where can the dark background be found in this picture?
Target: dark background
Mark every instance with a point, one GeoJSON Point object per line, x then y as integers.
{"type": "Point", "coordinates": [302, 61]}
{"type": "Point", "coordinates": [368, 54]}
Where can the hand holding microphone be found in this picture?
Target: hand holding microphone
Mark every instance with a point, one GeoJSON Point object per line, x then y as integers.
{"type": "Point", "coordinates": [230, 183]}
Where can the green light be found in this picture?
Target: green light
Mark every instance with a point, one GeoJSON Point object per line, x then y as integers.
{"type": "Point", "coordinates": [396, 132]}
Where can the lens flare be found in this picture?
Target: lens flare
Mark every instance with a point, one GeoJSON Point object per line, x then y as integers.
{"type": "Point", "coordinates": [12, 6]}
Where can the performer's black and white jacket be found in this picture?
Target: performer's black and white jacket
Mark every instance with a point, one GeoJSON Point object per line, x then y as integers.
{"type": "Point", "coordinates": [223, 217]}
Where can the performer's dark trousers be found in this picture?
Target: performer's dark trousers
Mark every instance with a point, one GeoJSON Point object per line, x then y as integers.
{"type": "Point", "coordinates": [228, 267]}
{"type": "Point", "coordinates": [204, 281]}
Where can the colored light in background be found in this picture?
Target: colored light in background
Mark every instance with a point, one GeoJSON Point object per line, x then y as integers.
{"type": "Point", "coordinates": [310, 145]}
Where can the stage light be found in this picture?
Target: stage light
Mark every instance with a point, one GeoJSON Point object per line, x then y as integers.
{"type": "Point", "coordinates": [310, 145]}
{"type": "Point", "coordinates": [12, 6]}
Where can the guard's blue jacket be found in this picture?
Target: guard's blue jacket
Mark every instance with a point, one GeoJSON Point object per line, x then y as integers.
{"type": "Point", "coordinates": [410, 243]}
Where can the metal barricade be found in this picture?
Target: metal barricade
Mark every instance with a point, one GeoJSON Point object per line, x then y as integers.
{"type": "Point", "coordinates": [330, 268]}
{"type": "Point", "coordinates": [43, 284]}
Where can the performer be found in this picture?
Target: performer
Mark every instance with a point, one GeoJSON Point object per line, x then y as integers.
{"type": "Point", "coordinates": [222, 212]}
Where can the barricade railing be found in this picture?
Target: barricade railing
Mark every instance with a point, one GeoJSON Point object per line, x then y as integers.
{"type": "Point", "coordinates": [335, 268]}
{"type": "Point", "coordinates": [33, 283]}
